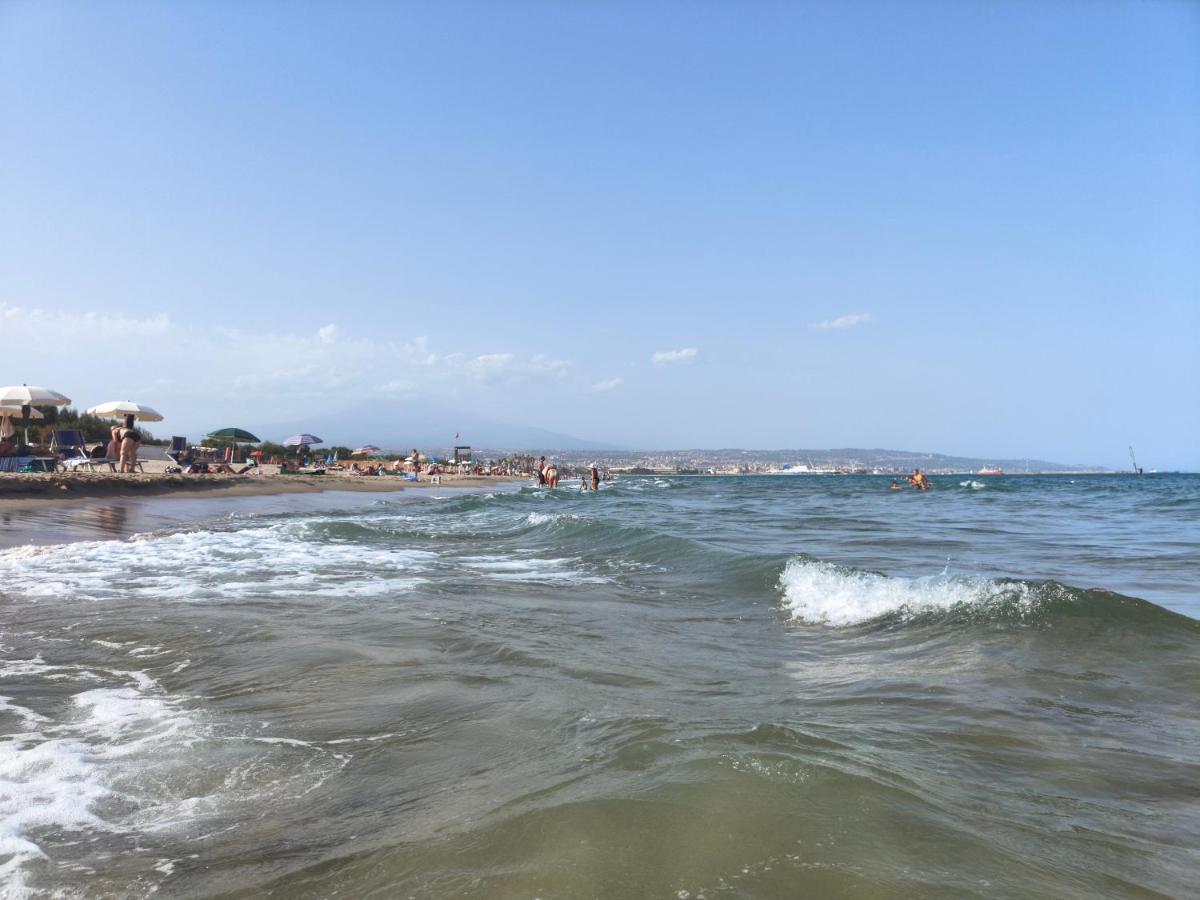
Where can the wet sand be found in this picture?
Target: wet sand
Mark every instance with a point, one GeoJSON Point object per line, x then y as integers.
{"type": "Point", "coordinates": [26, 491]}
{"type": "Point", "coordinates": [32, 522]}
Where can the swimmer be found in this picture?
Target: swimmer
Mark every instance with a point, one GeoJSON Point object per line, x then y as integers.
{"type": "Point", "coordinates": [895, 486]}
{"type": "Point", "coordinates": [918, 480]}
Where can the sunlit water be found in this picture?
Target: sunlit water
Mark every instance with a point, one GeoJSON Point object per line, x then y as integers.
{"type": "Point", "coordinates": [678, 687]}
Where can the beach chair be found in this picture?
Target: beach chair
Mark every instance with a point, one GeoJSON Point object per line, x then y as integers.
{"type": "Point", "coordinates": [69, 442]}
{"type": "Point", "coordinates": [178, 451]}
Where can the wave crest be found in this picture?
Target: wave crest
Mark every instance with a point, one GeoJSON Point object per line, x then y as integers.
{"type": "Point", "coordinates": [822, 593]}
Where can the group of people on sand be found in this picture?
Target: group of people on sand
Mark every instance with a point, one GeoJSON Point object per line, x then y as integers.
{"type": "Point", "coordinates": [396, 467]}
{"type": "Point", "coordinates": [917, 479]}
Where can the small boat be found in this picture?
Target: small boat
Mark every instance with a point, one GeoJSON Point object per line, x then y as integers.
{"type": "Point", "coordinates": [994, 470]}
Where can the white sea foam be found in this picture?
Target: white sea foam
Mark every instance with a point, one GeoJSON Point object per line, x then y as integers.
{"type": "Point", "coordinates": [118, 758]}
{"type": "Point", "coordinates": [56, 771]}
{"type": "Point", "coordinates": [530, 569]}
{"type": "Point", "coordinates": [537, 518]}
{"type": "Point", "coordinates": [973, 485]}
{"type": "Point", "coordinates": [823, 593]}
{"type": "Point", "coordinates": [204, 565]}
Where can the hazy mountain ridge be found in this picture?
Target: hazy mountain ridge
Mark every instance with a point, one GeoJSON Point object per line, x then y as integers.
{"type": "Point", "coordinates": [403, 425]}
{"type": "Point", "coordinates": [400, 425]}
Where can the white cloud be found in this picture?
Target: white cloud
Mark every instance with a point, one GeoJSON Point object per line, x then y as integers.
{"type": "Point", "coordinates": [22, 322]}
{"type": "Point", "coordinates": [668, 357]}
{"type": "Point", "coordinates": [197, 370]}
{"type": "Point", "coordinates": [607, 384]}
{"type": "Point", "coordinates": [397, 388]}
{"type": "Point", "coordinates": [847, 321]}
{"type": "Point", "coordinates": [500, 368]}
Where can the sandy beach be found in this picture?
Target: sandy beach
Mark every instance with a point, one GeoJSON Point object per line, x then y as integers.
{"type": "Point", "coordinates": [20, 490]}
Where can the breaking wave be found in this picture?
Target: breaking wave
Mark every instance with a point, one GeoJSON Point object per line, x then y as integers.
{"type": "Point", "coordinates": [822, 593]}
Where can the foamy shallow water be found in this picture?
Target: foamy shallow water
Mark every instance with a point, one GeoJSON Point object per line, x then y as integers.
{"type": "Point", "coordinates": [700, 687]}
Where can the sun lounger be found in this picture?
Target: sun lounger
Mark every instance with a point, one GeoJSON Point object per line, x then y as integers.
{"type": "Point", "coordinates": [178, 451]}
{"type": "Point", "coordinates": [82, 462]}
{"type": "Point", "coordinates": [69, 442]}
{"type": "Point", "coordinates": [13, 463]}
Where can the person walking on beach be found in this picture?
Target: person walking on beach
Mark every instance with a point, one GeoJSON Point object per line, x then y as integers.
{"type": "Point", "coordinates": [129, 446]}
{"type": "Point", "coordinates": [416, 457]}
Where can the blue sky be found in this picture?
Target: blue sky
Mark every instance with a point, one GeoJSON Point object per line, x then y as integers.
{"type": "Point", "coordinates": [963, 227]}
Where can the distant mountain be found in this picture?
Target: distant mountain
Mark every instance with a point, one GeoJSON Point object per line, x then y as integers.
{"type": "Point", "coordinates": [402, 424]}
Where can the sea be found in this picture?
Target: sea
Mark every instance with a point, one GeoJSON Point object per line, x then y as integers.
{"type": "Point", "coordinates": [675, 687]}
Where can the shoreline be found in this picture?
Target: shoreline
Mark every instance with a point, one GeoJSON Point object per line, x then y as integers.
{"type": "Point", "coordinates": [38, 491]}
{"type": "Point", "coordinates": [119, 515]}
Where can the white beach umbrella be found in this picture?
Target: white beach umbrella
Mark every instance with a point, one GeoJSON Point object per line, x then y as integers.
{"type": "Point", "coordinates": [24, 395]}
{"type": "Point", "coordinates": [119, 409]}
{"type": "Point", "coordinates": [27, 397]}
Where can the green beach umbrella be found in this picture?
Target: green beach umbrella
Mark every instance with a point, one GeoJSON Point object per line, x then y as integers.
{"type": "Point", "coordinates": [236, 435]}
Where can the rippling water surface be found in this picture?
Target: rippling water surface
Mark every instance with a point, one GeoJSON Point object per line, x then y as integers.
{"type": "Point", "coordinates": [677, 687]}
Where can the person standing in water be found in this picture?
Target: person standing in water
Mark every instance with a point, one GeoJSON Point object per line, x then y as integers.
{"type": "Point", "coordinates": [594, 474]}
{"type": "Point", "coordinates": [918, 480]}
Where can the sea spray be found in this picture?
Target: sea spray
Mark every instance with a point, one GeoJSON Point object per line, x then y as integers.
{"type": "Point", "coordinates": [824, 593]}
